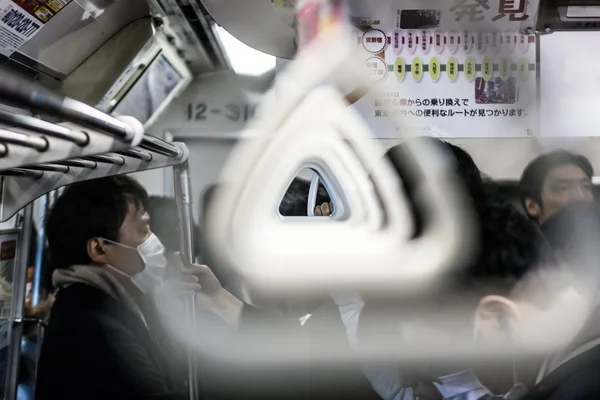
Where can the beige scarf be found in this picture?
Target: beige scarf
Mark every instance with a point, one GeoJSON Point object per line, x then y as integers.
{"type": "Point", "coordinates": [100, 278]}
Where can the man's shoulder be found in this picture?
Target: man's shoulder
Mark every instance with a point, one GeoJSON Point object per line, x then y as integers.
{"type": "Point", "coordinates": [583, 385]}
{"type": "Point", "coordinates": [82, 307]}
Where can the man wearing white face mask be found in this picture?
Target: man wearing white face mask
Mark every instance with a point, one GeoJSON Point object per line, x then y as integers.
{"type": "Point", "coordinates": [98, 344]}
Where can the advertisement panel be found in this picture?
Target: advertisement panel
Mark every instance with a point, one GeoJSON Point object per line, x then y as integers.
{"type": "Point", "coordinates": [453, 69]}
{"type": "Point", "coordinates": [21, 20]}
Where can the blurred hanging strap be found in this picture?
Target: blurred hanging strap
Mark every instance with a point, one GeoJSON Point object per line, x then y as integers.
{"type": "Point", "coordinates": [313, 193]}
{"type": "Point", "coordinates": [317, 17]}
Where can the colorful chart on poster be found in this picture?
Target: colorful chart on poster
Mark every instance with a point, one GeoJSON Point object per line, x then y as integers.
{"type": "Point", "coordinates": [460, 71]}
{"type": "Point", "coordinates": [21, 20]}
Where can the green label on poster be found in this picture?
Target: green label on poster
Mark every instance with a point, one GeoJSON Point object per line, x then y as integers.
{"type": "Point", "coordinates": [486, 68]}
{"type": "Point", "coordinates": [470, 68]}
{"type": "Point", "coordinates": [399, 68]}
{"type": "Point", "coordinates": [452, 68]}
{"type": "Point", "coordinates": [523, 68]}
{"type": "Point", "coordinates": [504, 68]}
{"type": "Point", "coordinates": [417, 69]}
{"type": "Point", "coordinates": [434, 68]}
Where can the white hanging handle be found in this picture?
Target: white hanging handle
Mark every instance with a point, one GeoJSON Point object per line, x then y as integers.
{"type": "Point", "coordinates": [313, 191]}
{"type": "Point", "coordinates": [313, 195]}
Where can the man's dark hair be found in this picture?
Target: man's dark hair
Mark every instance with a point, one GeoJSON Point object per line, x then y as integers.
{"type": "Point", "coordinates": [88, 209]}
{"type": "Point", "coordinates": [295, 200]}
{"type": "Point", "coordinates": [534, 175]}
{"type": "Point", "coordinates": [510, 245]}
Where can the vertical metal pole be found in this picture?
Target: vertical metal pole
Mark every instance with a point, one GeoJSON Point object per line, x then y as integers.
{"type": "Point", "coordinates": [183, 196]}
{"type": "Point", "coordinates": [41, 329]}
{"type": "Point", "coordinates": [15, 333]}
{"type": "Point", "coordinates": [39, 251]}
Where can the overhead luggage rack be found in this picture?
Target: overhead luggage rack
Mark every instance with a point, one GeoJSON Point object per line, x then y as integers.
{"type": "Point", "coordinates": [38, 156]}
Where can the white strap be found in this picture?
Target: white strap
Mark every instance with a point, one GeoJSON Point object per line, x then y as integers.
{"type": "Point", "coordinates": [313, 192]}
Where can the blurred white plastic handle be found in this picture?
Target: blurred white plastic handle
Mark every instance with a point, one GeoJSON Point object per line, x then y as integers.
{"type": "Point", "coordinates": [313, 195]}
{"type": "Point", "coordinates": [368, 245]}
{"type": "Point", "coordinates": [313, 192]}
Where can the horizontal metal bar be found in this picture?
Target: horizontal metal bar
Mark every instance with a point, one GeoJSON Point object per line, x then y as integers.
{"type": "Point", "coordinates": [44, 127]}
{"type": "Point", "coordinates": [22, 172]}
{"type": "Point", "coordinates": [34, 320]}
{"type": "Point", "coordinates": [137, 153]}
{"type": "Point", "coordinates": [20, 139]}
{"type": "Point", "coordinates": [23, 92]}
{"type": "Point", "coordinates": [79, 163]}
{"type": "Point", "coordinates": [161, 147]}
{"type": "Point", "coordinates": [108, 159]}
{"type": "Point", "coordinates": [49, 167]}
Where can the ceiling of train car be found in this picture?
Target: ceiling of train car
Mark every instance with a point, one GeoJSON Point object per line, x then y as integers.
{"type": "Point", "coordinates": [68, 35]}
{"type": "Point", "coordinates": [72, 34]}
{"type": "Point", "coordinates": [262, 27]}
{"type": "Point", "coordinates": [269, 28]}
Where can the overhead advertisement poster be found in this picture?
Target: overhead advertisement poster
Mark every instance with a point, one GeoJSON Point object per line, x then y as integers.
{"type": "Point", "coordinates": [450, 68]}
{"type": "Point", "coordinates": [21, 20]}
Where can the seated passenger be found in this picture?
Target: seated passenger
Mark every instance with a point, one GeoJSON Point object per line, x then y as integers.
{"type": "Point", "coordinates": [571, 373]}
{"type": "Point", "coordinates": [510, 246]}
{"type": "Point", "coordinates": [552, 181]}
{"type": "Point", "coordinates": [98, 344]}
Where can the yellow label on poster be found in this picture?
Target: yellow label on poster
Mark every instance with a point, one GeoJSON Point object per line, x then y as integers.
{"type": "Point", "coordinates": [504, 68]}
{"type": "Point", "coordinates": [434, 68]}
{"type": "Point", "coordinates": [417, 69]}
{"type": "Point", "coordinates": [57, 5]}
{"type": "Point", "coordinates": [452, 68]}
{"type": "Point", "coordinates": [487, 68]}
{"type": "Point", "coordinates": [469, 68]}
{"type": "Point", "coordinates": [523, 68]}
{"type": "Point", "coordinates": [399, 68]}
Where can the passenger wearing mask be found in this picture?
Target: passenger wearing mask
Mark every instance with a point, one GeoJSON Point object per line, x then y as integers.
{"type": "Point", "coordinates": [571, 372]}
{"type": "Point", "coordinates": [104, 257]}
{"type": "Point", "coordinates": [510, 247]}
{"type": "Point", "coordinates": [552, 181]}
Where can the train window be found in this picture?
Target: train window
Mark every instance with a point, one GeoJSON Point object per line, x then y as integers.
{"type": "Point", "coordinates": [295, 201]}
{"type": "Point", "coordinates": [150, 91]}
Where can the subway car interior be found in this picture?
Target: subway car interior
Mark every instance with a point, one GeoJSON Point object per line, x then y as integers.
{"type": "Point", "coordinates": [371, 199]}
